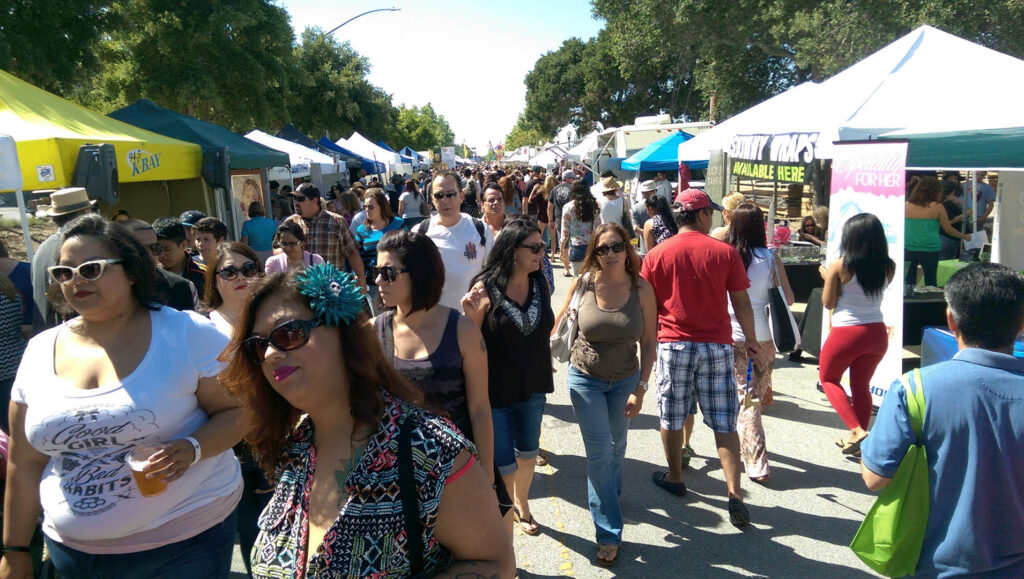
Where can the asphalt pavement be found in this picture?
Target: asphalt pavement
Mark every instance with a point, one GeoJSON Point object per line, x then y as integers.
{"type": "Point", "coordinates": [802, 520]}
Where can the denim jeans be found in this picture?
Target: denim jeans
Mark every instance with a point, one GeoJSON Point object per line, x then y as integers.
{"type": "Point", "coordinates": [517, 432]}
{"type": "Point", "coordinates": [600, 407]}
{"type": "Point", "coordinates": [205, 556]}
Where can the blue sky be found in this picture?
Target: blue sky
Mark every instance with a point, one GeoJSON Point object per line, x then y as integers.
{"type": "Point", "coordinates": [468, 59]}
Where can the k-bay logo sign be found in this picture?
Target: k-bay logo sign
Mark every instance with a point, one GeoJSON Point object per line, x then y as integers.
{"type": "Point", "coordinates": [788, 158]}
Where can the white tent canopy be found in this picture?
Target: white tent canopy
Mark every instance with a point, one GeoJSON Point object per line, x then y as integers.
{"type": "Point", "coordinates": [888, 93]}
{"type": "Point", "coordinates": [297, 154]}
{"type": "Point", "coordinates": [10, 180]}
{"type": "Point", "coordinates": [584, 148]}
{"type": "Point", "coordinates": [546, 158]}
{"type": "Point", "coordinates": [363, 146]}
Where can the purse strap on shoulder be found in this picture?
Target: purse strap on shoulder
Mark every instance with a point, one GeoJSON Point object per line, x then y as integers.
{"type": "Point", "coordinates": [914, 389]}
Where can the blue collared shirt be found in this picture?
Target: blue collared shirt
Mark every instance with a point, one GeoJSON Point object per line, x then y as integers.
{"type": "Point", "coordinates": [973, 433]}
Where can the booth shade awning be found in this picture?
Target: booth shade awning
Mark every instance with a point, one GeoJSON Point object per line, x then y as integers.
{"type": "Point", "coordinates": [243, 153]}
{"type": "Point", "coordinates": [369, 165]}
{"type": "Point", "coordinates": [982, 149]}
{"type": "Point", "coordinates": [49, 130]}
{"type": "Point", "coordinates": [661, 155]}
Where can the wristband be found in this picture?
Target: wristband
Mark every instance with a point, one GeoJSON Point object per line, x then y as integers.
{"type": "Point", "coordinates": [7, 549]}
{"type": "Point", "coordinates": [195, 447]}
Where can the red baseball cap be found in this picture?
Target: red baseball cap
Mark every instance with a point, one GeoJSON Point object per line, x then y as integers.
{"type": "Point", "coordinates": [694, 199]}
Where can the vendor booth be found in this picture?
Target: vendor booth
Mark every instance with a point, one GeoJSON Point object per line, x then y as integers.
{"type": "Point", "coordinates": [661, 155]}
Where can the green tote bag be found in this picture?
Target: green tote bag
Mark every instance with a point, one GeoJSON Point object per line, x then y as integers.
{"type": "Point", "coordinates": [890, 538]}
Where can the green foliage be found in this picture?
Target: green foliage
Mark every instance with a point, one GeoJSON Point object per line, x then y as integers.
{"type": "Point", "coordinates": [554, 88]}
{"type": "Point", "coordinates": [525, 134]}
{"type": "Point", "coordinates": [422, 129]}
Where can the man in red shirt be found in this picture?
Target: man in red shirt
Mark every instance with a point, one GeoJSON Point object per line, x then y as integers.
{"type": "Point", "coordinates": [693, 276]}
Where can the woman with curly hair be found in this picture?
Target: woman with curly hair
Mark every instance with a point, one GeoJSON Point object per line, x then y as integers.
{"type": "Point", "coordinates": [337, 425]}
{"type": "Point", "coordinates": [579, 218]}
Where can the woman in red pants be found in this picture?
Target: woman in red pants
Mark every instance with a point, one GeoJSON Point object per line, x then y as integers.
{"type": "Point", "coordinates": [854, 284]}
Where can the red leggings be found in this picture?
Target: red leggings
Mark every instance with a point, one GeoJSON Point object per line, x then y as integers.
{"type": "Point", "coordinates": [859, 348]}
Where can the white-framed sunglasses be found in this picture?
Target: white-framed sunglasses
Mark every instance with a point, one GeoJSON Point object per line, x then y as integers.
{"type": "Point", "coordinates": [89, 271]}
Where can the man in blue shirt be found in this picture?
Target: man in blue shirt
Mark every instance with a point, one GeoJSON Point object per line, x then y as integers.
{"type": "Point", "coordinates": [973, 433]}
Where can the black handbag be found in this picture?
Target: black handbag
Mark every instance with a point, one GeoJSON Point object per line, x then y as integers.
{"type": "Point", "coordinates": [785, 333]}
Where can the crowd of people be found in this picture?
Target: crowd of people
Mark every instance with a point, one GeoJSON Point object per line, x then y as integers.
{"type": "Point", "coordinates": [398, 337]}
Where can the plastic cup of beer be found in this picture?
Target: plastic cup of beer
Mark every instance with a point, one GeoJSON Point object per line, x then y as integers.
{"type": "Point", "coordinates": [137, 460]}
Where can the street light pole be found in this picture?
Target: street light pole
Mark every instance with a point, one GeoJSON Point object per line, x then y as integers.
{"type": "Point", "coordinates": [331, 31]}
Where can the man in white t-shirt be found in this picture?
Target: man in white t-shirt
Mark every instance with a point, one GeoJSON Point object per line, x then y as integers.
{"type": "Point", "coordinates": [665, 188]}
{"type": "Point", "coordinates": [462, 240]}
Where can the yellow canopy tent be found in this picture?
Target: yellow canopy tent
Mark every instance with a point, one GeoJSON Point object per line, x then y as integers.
{"type": "Point", "coordinates": [49, 130]}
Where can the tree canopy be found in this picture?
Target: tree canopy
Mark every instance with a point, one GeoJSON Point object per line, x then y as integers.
{"type": "Point", "coordinates": [233, 62]}
{"type": "Point", "coordinates": [707, 59]}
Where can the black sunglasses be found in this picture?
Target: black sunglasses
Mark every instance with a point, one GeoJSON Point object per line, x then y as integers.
{"type": "Point", "coordinates": [248, 269]}
{"type": "Point", "coordinates": [287, 336]}
{"type": "Point", "coordinates": [603, 250]}
{"type": "Point", "coordinates": [446, 195]}
{"type": "Point", "coordinates": [387, 273]}
{"type": "Point", "coordinates": [535, 248]}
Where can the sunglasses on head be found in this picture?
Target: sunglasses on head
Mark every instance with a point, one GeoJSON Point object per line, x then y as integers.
{"type": "Point", "coordinates": [603, 250]}
{"type": "Point", "coordinates": [89, 271]}
{"type": "Point", "coordinates": [287, 336]}
{"type": "Point", "coordinates": [248, 269]}
{"type": "Point", "coordinates": [446, 195]}
{"type": "Point", "coordinates": [387, 273]}
{"type": "Point", "coordinates": [535, 248]}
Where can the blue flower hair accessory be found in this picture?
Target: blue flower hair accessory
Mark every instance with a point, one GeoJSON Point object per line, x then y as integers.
{"type": "Point", "coordinates": [334, 295]}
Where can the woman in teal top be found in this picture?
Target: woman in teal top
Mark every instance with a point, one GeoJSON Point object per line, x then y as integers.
{"type": "Point", "coordinates": [258, 232]}
{"type": "Point", "coordinates": [924, 216]}
{"type": "Point", "coordinates": [379, 220]}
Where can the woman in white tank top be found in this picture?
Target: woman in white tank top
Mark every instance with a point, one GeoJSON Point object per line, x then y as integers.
{"type": "Point", "coordinates": [858, 338]}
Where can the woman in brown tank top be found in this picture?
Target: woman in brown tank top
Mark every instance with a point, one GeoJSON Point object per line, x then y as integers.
{"type": "Point", "coordinates": [606, 380]}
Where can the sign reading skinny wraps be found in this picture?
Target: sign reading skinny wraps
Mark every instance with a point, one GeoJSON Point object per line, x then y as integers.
{"type": "Point", "coordinates": [787, 158]}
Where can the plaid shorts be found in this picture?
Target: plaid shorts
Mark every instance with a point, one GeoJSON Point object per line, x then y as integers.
{"type": "Point", "coordinates": [688, 370]}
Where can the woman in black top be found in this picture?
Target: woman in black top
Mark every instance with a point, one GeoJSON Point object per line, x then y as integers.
{"type": "Point", "coordinates": [510, 301]}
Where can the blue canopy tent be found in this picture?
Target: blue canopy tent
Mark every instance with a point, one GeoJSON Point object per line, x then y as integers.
{"type": "Point", "coordinates": [661, 155]}
{"type": "Point", "coordinates": [370, 166]}
{"type": "Point", "coordinates": [417, 159]}
{"type": "Point", "coordinates": [411, 160]}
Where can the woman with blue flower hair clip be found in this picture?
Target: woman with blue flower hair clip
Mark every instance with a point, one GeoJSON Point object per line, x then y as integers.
{"type": "Point", "coordinates": [330, 417]}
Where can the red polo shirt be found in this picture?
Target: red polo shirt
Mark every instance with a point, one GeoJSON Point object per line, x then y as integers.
{"type": "Point", "coordinates": [692, 275]}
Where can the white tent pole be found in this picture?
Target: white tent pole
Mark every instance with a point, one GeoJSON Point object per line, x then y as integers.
{"type": "Point", "coordinates": [24, 223]}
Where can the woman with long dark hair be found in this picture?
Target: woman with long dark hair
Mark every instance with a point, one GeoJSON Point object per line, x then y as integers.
{"type": "Point", "coordinates": [379, 220]}
{"type": "Point", "coordinates": [579, 218]}
{"type": "Point", "coordinates": [606, 381]}
{"type": "Point", "coordinates": [854, 284]}
{"type": "Point", "coordinates": [291, 238]}
{"type": "Point", "coordinates": [661, 225]}
{"type": "Point", "coordinates": [329, 416]}
{"type": "Point", "coordinates": [747, 234]}
{"type": "Point", "coordinates": [510, 302]}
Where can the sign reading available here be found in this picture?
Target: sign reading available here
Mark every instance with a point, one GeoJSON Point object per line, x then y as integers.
{"type": "Point", "coordinates": [786, 158]}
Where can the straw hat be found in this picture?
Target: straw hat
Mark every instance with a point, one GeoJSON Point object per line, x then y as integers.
{"type": "Point", "coordinates": [69, 200]}
{"type": "Point", "coordinates": [610, 184]}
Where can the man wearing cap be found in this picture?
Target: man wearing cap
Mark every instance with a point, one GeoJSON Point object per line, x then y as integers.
{"type": "Point", "coordinates": [639, 211]}
{"type": "Point", "coordinates": [65, 205]}
{"type": "Point", "coordinates": [694, 277]}
{"type": "Point", "coordinates": [188, 221]}
{"type": "Point", "coordinates": [174, 253]}
{"type": "Point", "coordinates": [329, 235]}
{"type": "Point", "coordinates": [560, 195]}
{"type": "Point", "coordinates": [177, 292]}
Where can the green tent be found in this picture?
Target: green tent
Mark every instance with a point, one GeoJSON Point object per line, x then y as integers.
{"type": "Point", "coordinates": [980, 149]}
{"type": "Point", "coordinates": [244, 153]}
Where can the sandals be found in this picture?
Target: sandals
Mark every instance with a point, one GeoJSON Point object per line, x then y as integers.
{"type": "Point", "coordinates": [607, 555]}
{"type": "Point", "coordinates": [849, 448]}
{"type": "Point", "coordinates": [541, 459]}
{"type": "Point", "coordinates": [528, 526]}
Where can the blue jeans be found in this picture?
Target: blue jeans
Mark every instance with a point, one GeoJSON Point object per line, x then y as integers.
{"type": "Point", "coordinates": [600, 407]}
{"type": "Point", "coordinates": [517, 432]}
{"type": "Point", "coordinates": [205, 556]}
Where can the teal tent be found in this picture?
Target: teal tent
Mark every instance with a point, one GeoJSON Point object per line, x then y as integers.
{"type": "Point", "coordinates": [661, 155]}
{"type": "Point", "coordinates": [243, 153]}
{"type": "Point", "coordinates": [979, 149]}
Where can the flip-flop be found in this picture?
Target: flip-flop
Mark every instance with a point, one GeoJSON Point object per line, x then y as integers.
{"type": "Point", "coordinates": [531, 528]}
{"type": "Point", "coordinates": [607, 555]}
{"type": "Point", "coordinates": [852, 447]}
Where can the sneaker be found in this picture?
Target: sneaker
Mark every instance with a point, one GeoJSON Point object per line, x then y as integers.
{"type": "Point", "coordinates": [738, 514]}
{"type": "Point", "coordinates": [687, 455]}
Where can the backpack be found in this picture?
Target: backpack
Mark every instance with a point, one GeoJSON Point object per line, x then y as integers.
{"type": "Point", "coordinates": [424, 227]}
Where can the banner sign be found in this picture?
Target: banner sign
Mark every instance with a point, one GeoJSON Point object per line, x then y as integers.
{"type": "Point", "coordinates": [870, 178]}
{"type": "Point", "coordinates": [448, 156]}
{"type": "Point", "coordinates": [1009, 221]}
{"type": "Point", "coordinates": [715, 181]}
{"type": "Point", "coordinates": [785, 158]}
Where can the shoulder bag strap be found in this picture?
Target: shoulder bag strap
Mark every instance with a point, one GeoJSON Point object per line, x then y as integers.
{"type": "Point", "coordinates": [915, 402]}
{"type": "Point", "coordinates": [775, 270]}
{"type": "Point", "coordinates": [410, 497]}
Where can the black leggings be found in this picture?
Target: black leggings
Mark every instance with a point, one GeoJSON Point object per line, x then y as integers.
{"type": "Point", "coordinates": [929, 261]}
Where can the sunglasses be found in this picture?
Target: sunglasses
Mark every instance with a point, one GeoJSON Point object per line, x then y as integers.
{"type": "Point", "coordinates": [387, 273]}
{"type": "Point", "coordinates": [289, 243]}
{"type": "Point", "coordinates": [89, 271]}
{"type": "Point", "coordinates": [603, 250]}
{"type": "Point", "coordinates": [288, 336]}
{"type": "Point", "coordinates": [445, 195]}
{"type": "Point", "coordinates": [248, 269]}
{"type": "Point", "coordinates": [535, 248]}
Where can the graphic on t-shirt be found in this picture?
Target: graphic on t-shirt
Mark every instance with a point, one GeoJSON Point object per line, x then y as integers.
{"type": "Point", "coordinates": [89, 448]}
{"type": "Point", "coordinates": [470, 251]}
